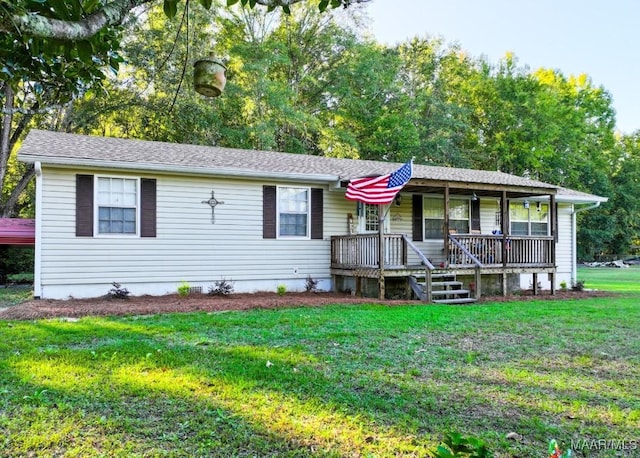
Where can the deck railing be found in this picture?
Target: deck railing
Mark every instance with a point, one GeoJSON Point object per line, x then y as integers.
{"type": "Point", "coordinates": [471, 250]}
{"type": "Point", "coordinates": [361, 251]}
{"type": "Point", "coordinates": [496, 250]}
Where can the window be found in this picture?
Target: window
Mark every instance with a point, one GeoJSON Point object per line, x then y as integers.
{"type": "Point", "coordinates": [290, 212]}
{"type": "Point", "coordinates": [371, 218]}
{"type": "Point", "coordinates": [113, 198]}
{"type": "Point", "coordinates": [433, 213]}
{"type": "Point", "coordinates": [533, 220]}
{"type": "Point", "coordinates": [293, 212]}
{"type": "Point", "coordinates": [117, 200]}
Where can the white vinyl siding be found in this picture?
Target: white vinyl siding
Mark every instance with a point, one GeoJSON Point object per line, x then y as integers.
{"type": "Point", "coordinates": [188, 246]}
{"type": "Point", "coordinates": [564, 255]}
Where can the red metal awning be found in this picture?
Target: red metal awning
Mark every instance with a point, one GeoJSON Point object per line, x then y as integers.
{"type": "Point", "coordinates": [16, 231]}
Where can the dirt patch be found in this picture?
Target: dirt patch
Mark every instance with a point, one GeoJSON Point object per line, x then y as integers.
{"type": "Point", "coordinates": [173, 303]}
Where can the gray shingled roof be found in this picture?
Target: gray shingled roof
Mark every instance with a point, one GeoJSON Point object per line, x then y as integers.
{"type": "Point", "coordinates": [73, 149]}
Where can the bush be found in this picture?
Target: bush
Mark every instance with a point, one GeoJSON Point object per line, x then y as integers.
{"type": "Point", "coordinates": [118, 292]}
{"type": "Point", "coordinates": [577, 285]}
{"type": "Point", "coordinates": [282, 290]}
{"type": "Point", "coordinates": [21, 279]}
{"type": "Point", "coordinates": [184, 289]}
{"type": "Point", "coordinates": [221, 288]}
{"type": "Point", "coordinates": [311, 285]}
{"type": "Point", "coordinates": [16, 259]}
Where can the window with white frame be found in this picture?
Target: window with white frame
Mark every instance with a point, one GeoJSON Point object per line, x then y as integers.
{"type": "Point", "coordinates": [529, 219]}
{"type": "Point", "coordinates": [293, 212]}
{"type": "Point", "coordinates": [371, 218]}
{"type": "Point", "coordinates": [117, 204]}
{"type": "Point", "coordinates": [433, 214]}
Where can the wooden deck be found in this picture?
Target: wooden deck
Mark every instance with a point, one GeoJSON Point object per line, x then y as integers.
{"type": "Point", "coordinates": [464, 254]}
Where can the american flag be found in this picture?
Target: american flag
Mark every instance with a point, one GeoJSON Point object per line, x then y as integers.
{"type": "Point", "coordinates": [381, 189]}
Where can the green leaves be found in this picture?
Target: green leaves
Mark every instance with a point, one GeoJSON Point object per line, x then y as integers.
{"type": "Point", "coordinates": [85, 51]}
{"type": "Point", "coordinates": [170, 8]}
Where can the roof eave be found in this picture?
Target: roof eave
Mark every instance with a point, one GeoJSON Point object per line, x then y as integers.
{"type": "Point", "coordinates": [582, 200]}
{"type": "Point", "coordinates": [174, 169]}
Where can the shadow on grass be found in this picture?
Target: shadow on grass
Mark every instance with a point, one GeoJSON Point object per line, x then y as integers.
{"type": "Point", "coordinates": [145, 387]}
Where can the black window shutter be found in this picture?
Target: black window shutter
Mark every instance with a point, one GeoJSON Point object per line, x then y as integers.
{"type": "Point", "coordinates": [84, 205]}
{"type": "Point", "coordinates": [416, 213]}
{"type": "Point", "coordinates": [269, 212]}
{"type": "Point", "coordinates": [475, 215]}
{"type": "Point", "coordinates": [147, 207]}
{"type": "Point", "coordinates": [317, 220]}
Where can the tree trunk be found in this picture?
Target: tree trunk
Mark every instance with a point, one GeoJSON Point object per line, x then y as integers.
{"type": "Point", "coordinates": [8, 209]}
{"type": "Point", "coordinates": [5, 133]}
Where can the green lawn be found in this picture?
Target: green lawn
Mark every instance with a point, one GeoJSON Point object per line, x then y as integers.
{"type": "Point", "coordinates": [611, 279]}
{"type": "Point", "coordinates": [15, 294]}
{"type": "Point", "coordinates": [333, 381]}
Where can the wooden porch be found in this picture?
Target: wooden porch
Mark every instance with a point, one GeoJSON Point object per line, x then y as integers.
{"type": "Point", "coordinates": [464, 254]}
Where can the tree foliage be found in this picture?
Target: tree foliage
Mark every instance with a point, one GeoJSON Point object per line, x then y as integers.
{"type": "Point", "coordinates": [306, 81]}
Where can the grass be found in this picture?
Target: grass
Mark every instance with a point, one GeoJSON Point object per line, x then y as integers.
{"type": "Point", "coordinates": [611, 279]}
{"type": "Point", "coordinates": [15, 294]}
{"type": "Point", "coordinates": [334, 381]}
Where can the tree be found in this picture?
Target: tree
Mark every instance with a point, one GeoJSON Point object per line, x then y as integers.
{"type": "Point", "coordinates": [37, 77]}
{"type": "Point", "coordinates": [282, 72]}
{"type": "Point", "coordinates": [625, 205]}
{"type": "Point", "coordinates": [54, 51]}
{"type": "Point", "coordinates": [54, 20]}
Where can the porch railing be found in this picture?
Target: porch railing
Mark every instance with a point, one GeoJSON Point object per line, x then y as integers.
{"type": "Point", "coordinates": [361, 251]}
{"type": "Point", "coordinates": [496, 250]}
{"type": "Point", "coordinates": [471, 250]}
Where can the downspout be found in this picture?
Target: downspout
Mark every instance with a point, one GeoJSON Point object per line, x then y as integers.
{"type": "Point", "coordinates": [574, 241]}
{"type": "Point", "coordinates": [37, 262]}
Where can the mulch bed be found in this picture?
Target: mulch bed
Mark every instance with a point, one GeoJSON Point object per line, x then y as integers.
{"type": "Point", "coordinates": [173, 303]}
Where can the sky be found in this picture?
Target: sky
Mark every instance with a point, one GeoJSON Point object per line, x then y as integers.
{"type": "Point", "coordinates": [598, 37]}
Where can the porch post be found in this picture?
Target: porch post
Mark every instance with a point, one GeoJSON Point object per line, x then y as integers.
{"type": "Point", "coordinates": [504, 209]}
{"type": "Point", "coordinates": [381, 288]}
{"type": "Point", "coordinates": [446, 225]}
{"type": "Point", "coordinates": [554, 233]}
{"type": "Point", "coordinates": [478, 283]}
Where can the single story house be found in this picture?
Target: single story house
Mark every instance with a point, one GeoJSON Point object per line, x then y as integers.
{"type": "Point", "coordinates": [151, 215]}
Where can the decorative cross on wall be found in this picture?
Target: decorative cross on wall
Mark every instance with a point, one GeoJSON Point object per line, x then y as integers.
{"type": "Point", "coordinates": [212, 203]}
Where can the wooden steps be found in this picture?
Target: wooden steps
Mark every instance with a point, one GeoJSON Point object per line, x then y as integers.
{"type": "Point", "coordinates": [445, 289]}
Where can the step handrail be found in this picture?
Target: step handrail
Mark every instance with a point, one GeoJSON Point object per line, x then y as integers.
{"type": "Point", "coordinates": [464, 249]}
{"type": "Point", "coordinates": [420, 254]}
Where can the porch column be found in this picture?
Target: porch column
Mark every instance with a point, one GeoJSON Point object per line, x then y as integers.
{"type": "Point", "coordinates": [504, 217]}
{"type": "Point", "coordinates": [381, 253]}
{"type": "Point", "coordinates": [553, 217]}
{"type": "Point", "coordinates": [504, 228]}
{"type": "Point", "coordinates": [446, 225]}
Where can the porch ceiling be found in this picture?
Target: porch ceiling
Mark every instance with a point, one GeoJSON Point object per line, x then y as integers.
{"type": "Point", "coordinates": [480, 189]}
